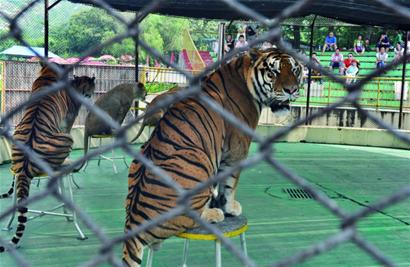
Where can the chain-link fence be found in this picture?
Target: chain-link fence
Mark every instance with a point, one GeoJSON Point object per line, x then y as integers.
{"type": "Point", "coordinates": [348, 221]}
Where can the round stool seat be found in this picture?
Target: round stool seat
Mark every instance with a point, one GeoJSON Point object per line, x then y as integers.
{"type": "Point", "coordinates": [230, 227]}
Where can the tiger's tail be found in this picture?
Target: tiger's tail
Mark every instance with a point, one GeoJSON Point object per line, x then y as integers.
{"type": "Point", "coordinates": [139, 133]}
{"type": "Point", "coordinates": [10, 192]}
{"type": "Point", "coordinates": [22, 190]}
{"type": "Point", "coordinates": [133, 251]}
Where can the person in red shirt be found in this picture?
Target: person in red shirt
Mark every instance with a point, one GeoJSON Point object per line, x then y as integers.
{"type": "Point", "coordinates": [348, 61]}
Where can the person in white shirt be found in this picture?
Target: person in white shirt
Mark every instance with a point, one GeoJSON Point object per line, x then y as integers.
{"type": "Point", "coordinates": [398, 51]}
{"type": "Point", "coordinates": [381, 58]}
{"type": "Point", "coordinates": [336, 61]}
{"type": "Point", "coordinates": [241, 42]}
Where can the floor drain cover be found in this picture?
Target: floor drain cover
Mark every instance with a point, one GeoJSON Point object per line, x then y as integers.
{"type": "Point", "coordinates": [297, 193]}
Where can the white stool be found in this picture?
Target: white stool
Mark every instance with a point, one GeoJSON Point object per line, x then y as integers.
{"type": "Point", "coordinates": [100, 137]}
{"type": "Point", "coordinates": [72, 217]}
{"type": "Point", "coordinates": [230, 227]}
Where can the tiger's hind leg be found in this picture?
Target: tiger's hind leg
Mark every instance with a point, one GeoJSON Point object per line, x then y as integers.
{"type": "Point", "coordinates": [227, 191]}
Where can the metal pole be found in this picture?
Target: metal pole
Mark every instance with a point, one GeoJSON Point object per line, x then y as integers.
{"type": "Point", "coordinates": [46, 28]}
{"type": "Point", "coordinates": [403, 80]}
{"type": "Point", "coordinates": [310, 69]}
{"type": "Point", "coordinates": [136, 38]}
{"type": "Point", "coordinates": [221, 38]}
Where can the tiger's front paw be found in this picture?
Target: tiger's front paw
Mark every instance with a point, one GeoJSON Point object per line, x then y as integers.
{"type": "Point", "coordinates": [213, 215]}
{"type": "Point", "coordinates": [233, 208]}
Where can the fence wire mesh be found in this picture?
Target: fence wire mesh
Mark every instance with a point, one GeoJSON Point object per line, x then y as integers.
{"type": "Point", "coordinates": [348, 221]}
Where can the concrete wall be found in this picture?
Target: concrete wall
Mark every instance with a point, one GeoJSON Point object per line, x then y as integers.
{"type": "Point", "coordinates": [341, 117]}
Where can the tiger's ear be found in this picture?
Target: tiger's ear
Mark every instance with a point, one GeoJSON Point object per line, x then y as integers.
{"type": "Point", "coordinates": [254, 53]}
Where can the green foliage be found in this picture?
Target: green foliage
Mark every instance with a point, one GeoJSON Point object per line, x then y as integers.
{"type": "Point", "coordinates": [6, 43]}
{"type": "Point", "coordinates": [158, 87]}
{"type": "Point", "coordinates": [89, 29]}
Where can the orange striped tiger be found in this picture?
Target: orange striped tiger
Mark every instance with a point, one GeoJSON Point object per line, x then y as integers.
{"type": "Point", "coordinates": [192, 143]}
{"type": "Point", "coordinates": [44, 128]}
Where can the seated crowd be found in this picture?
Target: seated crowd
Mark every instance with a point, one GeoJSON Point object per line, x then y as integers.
{"type": "Point", "coordinates": [345, 66]}
{"type": "Point", "coordinates": [350, 65]}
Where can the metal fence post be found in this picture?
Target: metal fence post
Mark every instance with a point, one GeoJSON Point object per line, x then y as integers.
{"type": "Point", "coordinates": [221, 39]}
{"type": "Point", "coordinates": [46, 28]}
{"type": "Point", "coordinates": [403, 80]}
{"type": "Point", "coordinates": [312, 27]}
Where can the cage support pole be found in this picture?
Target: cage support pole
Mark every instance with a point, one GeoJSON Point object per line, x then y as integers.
{"type": "Point", "coordinates": [46, 29]}
{"type": "Point", "coordinates": [403, 80]}
{"type": "Point", "coordinates": [136, 39]}
{"type": "Point", "coordinates": [312, 27]}
{"type": "Point", "coordinates": [138, 20]}
{"type": "Point", "coordinates": [221, 35]}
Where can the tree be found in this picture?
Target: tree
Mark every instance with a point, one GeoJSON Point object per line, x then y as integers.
{"type": "Point", "coordinates": [87, 29]}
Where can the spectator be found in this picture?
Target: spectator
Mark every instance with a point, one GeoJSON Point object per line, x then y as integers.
{"type": "Point", "coordinates": [230, 43]}
{"type": "Point", "coordinates": [381, 58]}
{"type": "Point", "coordinates": [398, 51]}
{"type": "Point", "coordinates": [315, 59]}
{"type": "Point", "coordinates": [359, 45]}
{"type": "Point", "coordinates": [315, 72]}
{"type": "Point", "coordinates": [330, 42]}
{"type": "Point", "coordinates": [348, 61]}
{"type": "Point", "coordinates": [336, 61]}
{"type": "Point", "coordinates": [367, 44]}
{"type": "Point", "coordinates": [241, 42]}
{"type": "Point", "coordinates": [351, 72]}
{"type": "Point", "coordinates": [408, 44]}
{"type": "Point", "coordinates": [383, 42]}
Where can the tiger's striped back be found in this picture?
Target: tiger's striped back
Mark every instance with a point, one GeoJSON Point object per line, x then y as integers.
{"type": "Point", "coordinates": [192, 143]}
{"type": "Point", "coordinates": [44, 129]}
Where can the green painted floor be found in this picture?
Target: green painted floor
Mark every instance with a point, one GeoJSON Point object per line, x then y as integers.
{"type": "Point", "coordinates": [278, 226]}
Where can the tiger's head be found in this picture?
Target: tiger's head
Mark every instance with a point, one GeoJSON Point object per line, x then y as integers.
{"type": "Point", "coordinates": [274, 78]}
{"type": "Point", "coordinates": [84, 85]}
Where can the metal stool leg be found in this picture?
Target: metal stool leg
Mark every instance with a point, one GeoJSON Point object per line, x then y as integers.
{"type": "Point", "coordinates": [185, 254]}
{"type": "Point", "coordinates": [88, 148]}
{"type": "Point", "coordinates": [75, 183]}
{"type": "Point", "coordinates": [70, 192]}
{"type": "Point", "coordinates": [62, 191]}
{"type": "Point", "coordinates": [113, 163]}
{"type": "Point", "coordinates": [99, 156]}
{"type": "Point", "coordinates": [218, 258]}
{"type": "Point", "coordinates": [8, 227]}
{"type": "Point", "coordinates": [243, 244]}
{"type": "Point", "coordinates": [123, 159]}
{"type": "Point", "coordinates": [150, 257]}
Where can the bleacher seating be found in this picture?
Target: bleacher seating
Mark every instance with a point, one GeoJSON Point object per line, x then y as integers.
{"type": "Point", "coordinates": [381, 92]}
